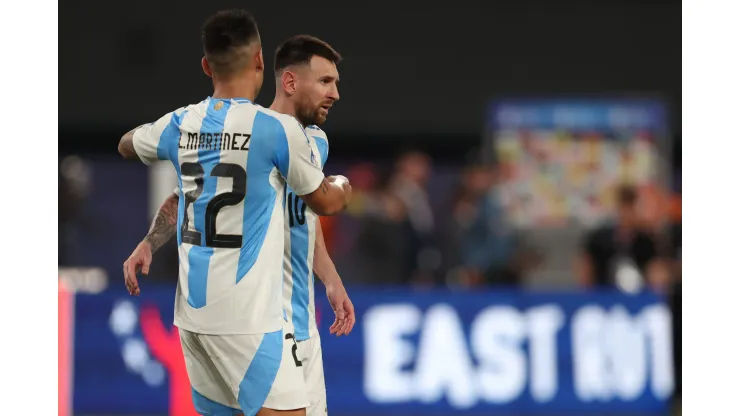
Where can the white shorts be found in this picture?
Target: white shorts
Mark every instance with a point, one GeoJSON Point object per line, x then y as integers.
{"type": "Point", "coordinates": [313, 371]}
{"type": "Point", "coordinates": [247, 372]}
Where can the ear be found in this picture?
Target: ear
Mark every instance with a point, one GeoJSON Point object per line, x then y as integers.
{"type": "Point", "coordinates": [260, 61]}
{"type": "Point", "coordinates": [288, 80]}
{"type": "Point", "coordinates": [206, 67]}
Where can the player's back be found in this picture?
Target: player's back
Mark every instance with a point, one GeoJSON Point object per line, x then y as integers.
{"type": "Point", "coordinates": [232, 159]}
{"type": "Point", "coordinates": [230, 219]}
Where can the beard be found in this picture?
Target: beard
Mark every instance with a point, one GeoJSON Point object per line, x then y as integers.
{"type": "Point", "coordinates": [308, 116]}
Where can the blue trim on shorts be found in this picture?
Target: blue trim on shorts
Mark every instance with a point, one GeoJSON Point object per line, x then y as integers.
{"type": "Point", "coordinates": [260, 376]}
{"type": "Point", "coordinates": [207, 407]}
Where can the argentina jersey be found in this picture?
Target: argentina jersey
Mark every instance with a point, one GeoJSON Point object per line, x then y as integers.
{"type": "Point", "coordinates": [300, 236]}
{"type": "Point", "coordinates": [233, 159]}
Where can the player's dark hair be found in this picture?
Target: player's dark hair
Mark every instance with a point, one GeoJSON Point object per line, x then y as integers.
{"type": "Point", "coordinates": [299, 49]}
{"type": "Point", "coordinates": [224, 35]}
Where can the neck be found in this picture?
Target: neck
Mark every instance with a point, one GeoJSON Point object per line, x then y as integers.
{"type": "Point", "coordinates": [234, 88]}
{"type": "Point", "coordinates": [282, 105]}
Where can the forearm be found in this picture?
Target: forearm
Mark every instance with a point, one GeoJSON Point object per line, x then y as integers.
{"type": "Point", "coordinates": [164, 225]}
{"type": "Point", "coordinates": [323, 265]}
{"type": "Point", "coordinates": [339, 197]}
{"type": "Point", "coordinates": [331, 197]}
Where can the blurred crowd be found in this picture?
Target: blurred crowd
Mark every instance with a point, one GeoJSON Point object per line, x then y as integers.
{"type": "Point", "coordinates": [468, 242]}
{"type": "Point", "coordinates": [403, 229]}
{"type": "Point", "coordinates": [400, 240]}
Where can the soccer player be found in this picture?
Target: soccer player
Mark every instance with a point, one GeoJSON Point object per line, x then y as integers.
{"type": "Point", "coordinates": [306, 87]}
{"type": "Point", "coordinates": [233, 159]}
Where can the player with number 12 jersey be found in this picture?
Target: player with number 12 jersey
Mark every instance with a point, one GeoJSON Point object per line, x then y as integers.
{"type": "Point", "coordinates": [233, 160]}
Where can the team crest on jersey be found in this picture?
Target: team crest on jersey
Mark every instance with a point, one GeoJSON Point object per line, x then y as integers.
{"type": "Point", "coordinates": [314, 160]}
{"type": "Point", "coordinates": [219, 105]}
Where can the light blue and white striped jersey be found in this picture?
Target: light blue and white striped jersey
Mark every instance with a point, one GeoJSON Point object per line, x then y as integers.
{"type": "Point", "coordinates": [232, 159]}
{"type": "Point", "coordinates": [300, 236]}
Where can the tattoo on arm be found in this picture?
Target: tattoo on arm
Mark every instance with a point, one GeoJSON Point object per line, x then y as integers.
{"type": "Point", "coordinates": [164, 225]}
{"type": "Point", "coordinates": [324, 186]}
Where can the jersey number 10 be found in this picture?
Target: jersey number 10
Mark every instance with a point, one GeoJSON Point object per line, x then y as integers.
{"type": "Point", "coordinates": [238, 191]}
{"type": "Point", "coordinates": [296, 210]}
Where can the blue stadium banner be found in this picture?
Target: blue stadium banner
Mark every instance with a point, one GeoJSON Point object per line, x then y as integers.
{"type": "Point", "coordinates": [428, 352]}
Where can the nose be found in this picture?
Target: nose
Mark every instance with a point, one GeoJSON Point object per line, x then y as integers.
{"type": "Point", "coordinates": [334, 94]}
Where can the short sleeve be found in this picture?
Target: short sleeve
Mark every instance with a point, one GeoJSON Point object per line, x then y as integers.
{"type": "Point", "coordinates": [323, 146]}
{"type": "Point", "coordinates": [150, 140]}
{"type": "Point", "coordinates": [297, 161]}
{"type": "Point", "coordinates": [322, 142]}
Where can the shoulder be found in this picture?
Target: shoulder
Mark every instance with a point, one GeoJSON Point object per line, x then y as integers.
{"type": "Point", "coordinates": [187, 116]}
{"type": "Point", "coordinates": [178, 114]}
{"type": "Point", "coordinates": [289, 123]}
{"type": "Point", "coordinates": [176, 117]}
{"type": "Point", "coordinates": [316, 132]}
{"type": "Point", "coordinates": [181, 110]}
{"type": "Point", "coordinates": [282, 124]}
{"type": "Point", "coordinates": [196, 108]}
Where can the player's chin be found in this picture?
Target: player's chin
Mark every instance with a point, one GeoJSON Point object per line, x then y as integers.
{"type": "Point", "coordinates": [319, 119]}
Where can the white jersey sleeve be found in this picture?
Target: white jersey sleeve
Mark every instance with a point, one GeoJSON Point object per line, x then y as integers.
{"type": "Point", "coordinates": [322, 142]}
{"type": "Point", "coordinates": [296, 160]}
{"type": "Point", "coordinates": [151, 141]}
